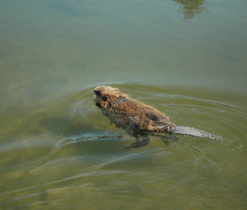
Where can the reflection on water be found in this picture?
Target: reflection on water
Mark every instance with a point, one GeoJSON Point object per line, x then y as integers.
{"type": "Point", "coordinates": [58, 151]}
{"type": "Point", "coordinates": [191, 7]}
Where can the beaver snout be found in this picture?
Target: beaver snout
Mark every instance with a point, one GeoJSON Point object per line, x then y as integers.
{"type": "Point", "coordinates": [98, 104]}
{"type": "Point", "coordinates": [97, 93]}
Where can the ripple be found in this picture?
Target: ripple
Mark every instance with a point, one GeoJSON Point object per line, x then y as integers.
{"type": "Point", "coordinates": [80, 150]}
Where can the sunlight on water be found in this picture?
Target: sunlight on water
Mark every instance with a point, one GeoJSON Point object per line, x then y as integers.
{"type": "Point", "coordinates": [82, 154]}
{"type": "Point", "coordinates": [186, 58]}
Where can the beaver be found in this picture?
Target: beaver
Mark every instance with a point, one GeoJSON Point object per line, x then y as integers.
{"type": "Point", "coordinates": [138, 119]}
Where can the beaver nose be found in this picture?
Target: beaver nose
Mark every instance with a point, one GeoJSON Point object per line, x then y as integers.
{"type": "Point", "coordinates": [97, 93]}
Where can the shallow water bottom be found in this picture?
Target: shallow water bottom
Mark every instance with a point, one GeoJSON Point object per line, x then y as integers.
{"type": "Point", "coordinates": [71, 157]}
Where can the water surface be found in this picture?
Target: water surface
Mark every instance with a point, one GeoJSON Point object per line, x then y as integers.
{"type": "Point", "coordinates": [186, 58]}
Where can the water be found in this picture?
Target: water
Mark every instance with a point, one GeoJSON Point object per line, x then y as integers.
{"type": "Point", "coordinates": [186, 58]}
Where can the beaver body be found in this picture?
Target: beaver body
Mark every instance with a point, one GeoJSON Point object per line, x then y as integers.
{"type": "Point", "coordinates": [138, 119]}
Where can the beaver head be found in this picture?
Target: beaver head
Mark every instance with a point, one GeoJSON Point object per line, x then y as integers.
{"type": "Point", "coordinates": [104, 95]}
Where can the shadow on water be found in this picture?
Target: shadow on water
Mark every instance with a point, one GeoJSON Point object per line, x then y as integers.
{"type": "Point", "coordinates": [191, 7]}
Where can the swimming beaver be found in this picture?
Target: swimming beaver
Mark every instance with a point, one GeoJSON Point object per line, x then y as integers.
{"type": "Point", "coordinates": [138, 119]}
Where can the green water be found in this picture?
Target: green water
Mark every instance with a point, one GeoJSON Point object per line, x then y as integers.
{"type": "Point", "coordinates": [186, 58]}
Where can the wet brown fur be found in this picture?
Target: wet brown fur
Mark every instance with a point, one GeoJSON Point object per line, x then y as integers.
{"type": "Point", "coordinates": [138, 119]}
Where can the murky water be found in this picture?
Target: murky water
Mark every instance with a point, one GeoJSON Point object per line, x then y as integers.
{"type": "Point", "coordinates": [186, 58]}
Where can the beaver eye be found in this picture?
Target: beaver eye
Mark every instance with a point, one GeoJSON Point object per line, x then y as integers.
{"type": "Point", "coordinates": [105, 98]}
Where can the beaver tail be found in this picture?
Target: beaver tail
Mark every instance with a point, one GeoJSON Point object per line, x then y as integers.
{"type": "Point", "coordinates": [183, 130]}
